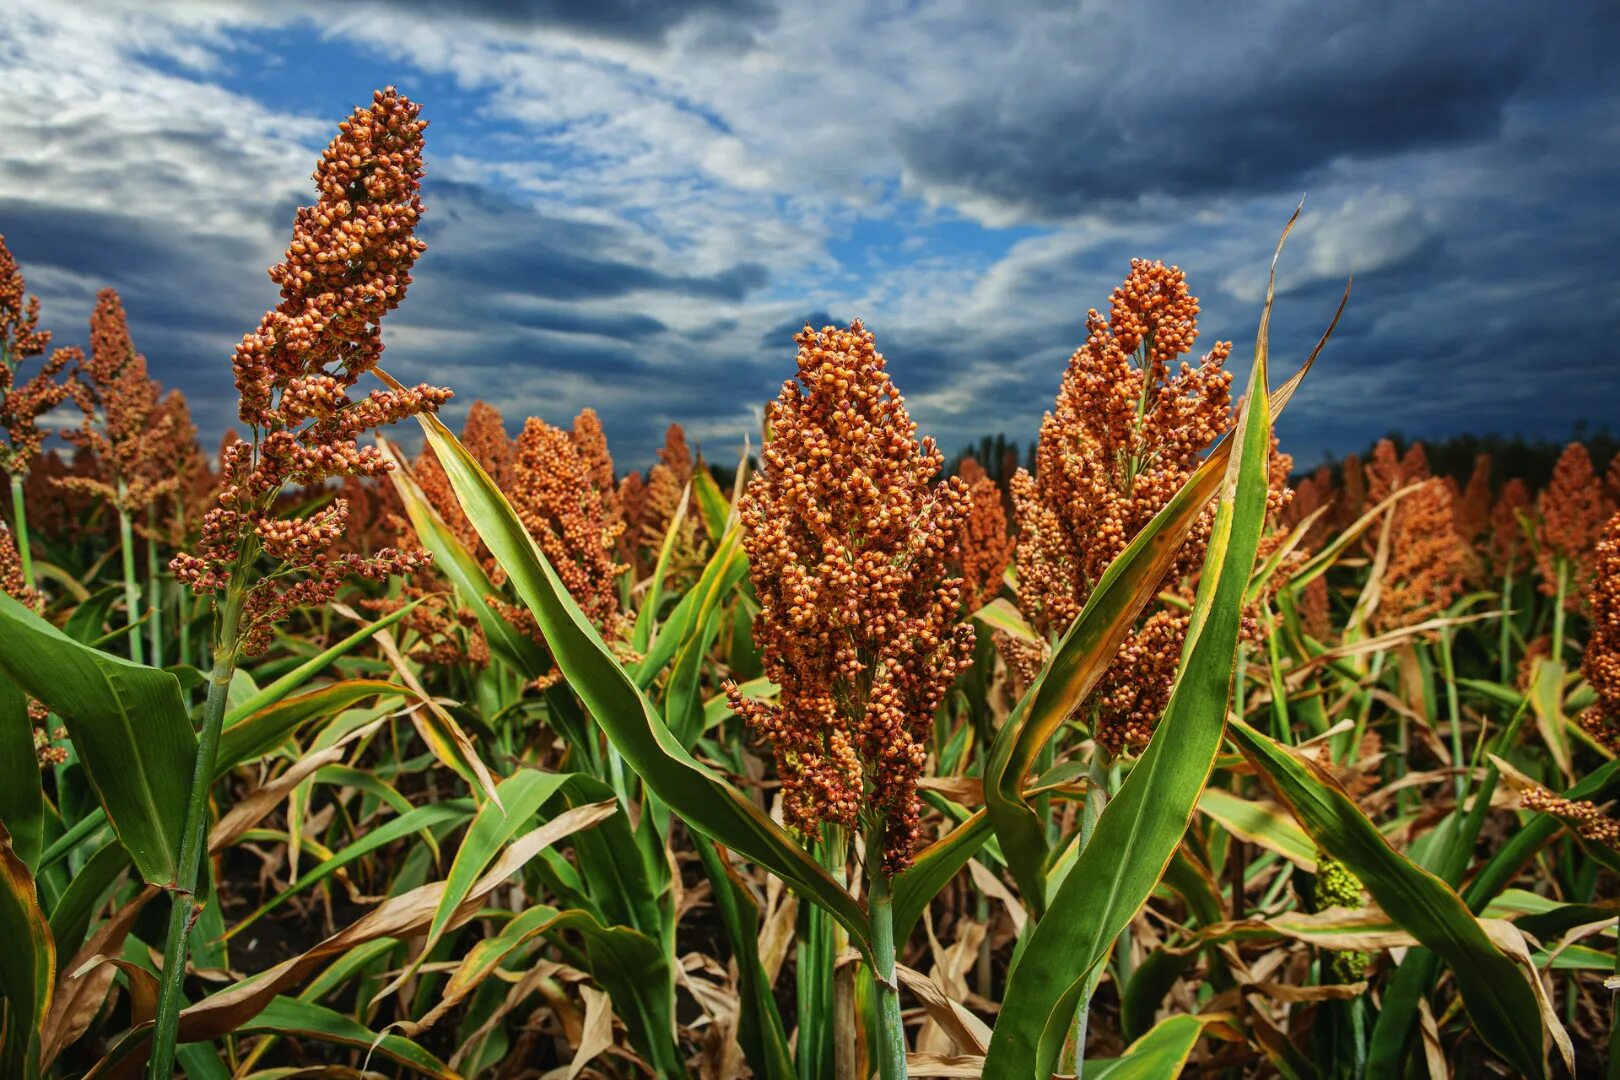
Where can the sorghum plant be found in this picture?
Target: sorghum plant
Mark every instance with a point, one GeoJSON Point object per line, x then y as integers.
{"type": "Point", "coordinates": [848, 540]}
{"type": "Point", "coordinates": [22, 402]}
{"type": "Point", "coordinates": [348, 265]}
{"type": "Point", "coordinates": [1127, 431]}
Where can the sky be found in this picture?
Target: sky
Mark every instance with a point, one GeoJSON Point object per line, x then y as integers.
{"type": "Point", "coordinates": [632, 205]}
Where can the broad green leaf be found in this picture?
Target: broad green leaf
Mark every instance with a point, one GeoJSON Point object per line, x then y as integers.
{"type": "Point", "coordinates": [1494, 989]}
{"type": "Point", "coordinates": [933, 869]}
{"type": "Point", "coordinates": [712, 501]}
{"type": "Point", "coordinates": [1161, 1054]}
{"type": "Point", "coordinates": [1143, 824]}
{"type": "Point", "coordinates": [1086, 649]}
{"type": "Point", "coordinates": [647, 614]}
{"type": "Point", "coordinates": [259, 732]}
{"type": "Point", "coordinates": [128, 724]}
{"type": "Point", "coordinates": [22, 801]}
{"type": "Point", "coordinates": [1262, 823]}
{"type": "Point", "coordinates": [473, 587]}
{"type": "Point", "coordinates": [296, 1018]}
{"type": "Point", "coordinates": [518, 797]}
{"type": "Point", "coordinates": [760, 1031]}
{"type": "Point", "coordinates": [27, 966]}
{"type": "Point", "coordinates": [702, 798]}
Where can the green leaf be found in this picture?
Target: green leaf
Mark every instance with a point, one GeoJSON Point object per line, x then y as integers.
{"type": "Point", "coordinates": [1086, 649]}
{"type": "Point", "coordinates": [702, 798]}
{"type": "Point", "coordinates": [1263, 823]}
{"type": "Point", "coordinates": [473, 587]}
{"type": "Point", "coordinates": [257, 733]}
{"type": "Point", "coordinates": [128, 724]}
{"type": "Point", "coordinates": [760, 1031]}
{"type": "Point", "coordinates": [641, 635]}
{"type": "Point", "coordinates": [1494, 989]}
{"type": "Point", "coordinates": [22, 801]}
{"type": "Point", "coordinates": [518, 797]}
{"type": "Point", "coordinates": [933, 869]}
{"type": "Point", "coordinates": [683, 702]}
{"type": "Point", "coordinates": [295, 1018]}
{"type": "Point", "coordinates": [1143, 824]}
{"type": "Point", "coordinates": [712, 501]}
{"type": "Point", "coordinates": [27, 965]}
{"type": "Point", "coordinates": [1161, 1054]}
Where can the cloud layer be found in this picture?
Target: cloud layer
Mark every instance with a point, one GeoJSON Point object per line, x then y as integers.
{"type": "Point", "coordinates": [631, 205]}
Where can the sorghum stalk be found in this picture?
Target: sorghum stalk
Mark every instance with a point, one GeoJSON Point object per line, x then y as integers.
{"type": "Point", "coordinates": [891, 1040]}
{"type": "Point", "coordinates": [348, 264]}
{"type": "Point", "coordinates": [19, 518]}
{"type": "Point", "coordinates": [154, 588]}
{"type": "Point", "coordinates": [194, 837]}
{"type": "Point", "coordinates": [132, 590]}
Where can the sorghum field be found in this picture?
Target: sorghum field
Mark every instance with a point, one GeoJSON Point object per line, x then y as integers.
{"type": "Point", "coordinates": [326, 758]}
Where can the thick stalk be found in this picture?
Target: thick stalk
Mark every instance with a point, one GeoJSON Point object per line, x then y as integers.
{"type": "Point", "coordinates": [1097, 787]}
{"type": "Point", "coordinates": [891, 1033]}
{"type": "Point", "coordinates": [194, 844]}
{"type": "Point", "coordinates": [132, 589]}
{"type": "Point", "coordinates": [154, 589]}
{"type": "Point", "coordinates": [19, 517]}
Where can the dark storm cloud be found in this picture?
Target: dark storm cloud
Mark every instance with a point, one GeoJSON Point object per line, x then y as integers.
{"type": "Point", "coordinates": [1193, 102]}
{"type": "Point", "coordinates": [641, 21]}
{"type": "Point", "coordinates": [486, 241]}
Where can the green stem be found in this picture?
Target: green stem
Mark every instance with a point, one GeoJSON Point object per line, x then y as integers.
{"type": "Point", "coordinates": [1097, 787]}
{"type": "Point", "coordinates": [194, 843]}
{"type": "Point", "coordinates": [1558, 613]}
{"type": "Point", "coordinates": [891, 1033]}
{"type": "Point", "coordinates": [132, 590]}
{"type": "Point", "coordinates": [19, 515]}
{"type": "Point", "coordinates": [1453, 715]}
{"type": "Point", "coordinates": [154, 589]}
{"type": "Point", "coordinates": [1506, 629]}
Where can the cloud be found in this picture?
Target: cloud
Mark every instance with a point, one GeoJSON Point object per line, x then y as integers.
{"type": "Point", "coordinates": [634, 206]}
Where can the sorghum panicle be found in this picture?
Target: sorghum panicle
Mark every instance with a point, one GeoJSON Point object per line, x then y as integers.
{"type": "Point", "coordinates": [986, 546]}
{"type": "Point", "coordinates": [1125, 435]}
{"type": "Point", "coordinates": [1572, 508]}
{"type": "Point", "coordinates": [565, 498]}
{"type": "Point", "coordinates": [1509, 551]}
{"type": "Point", "coordinates": [22, 402]}
{"type": "Point", "coordinates": [1586, 818]}
{"type": "Point", "coordinates": [1472, 510]}
{"type": "Point", "coordinates": [348, 264]}
{"type": "Point", "coordinates": [1428, 561]}
{"type": "Point", "coordinates": [1601, 660]}
{"type": "Point", "coordinates": [848, 541]}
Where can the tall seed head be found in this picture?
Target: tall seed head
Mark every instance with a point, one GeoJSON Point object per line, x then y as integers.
{"type": "Point", "coordinates": [1572, 507]}
{"type": "Point", "coordinates": [848, 541]}
{"type": "Point", "coordinates": [348, 264]}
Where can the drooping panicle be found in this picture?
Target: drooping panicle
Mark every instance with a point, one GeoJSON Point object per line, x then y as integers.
{"type": "Point", "coordinates": [348, 264]}
{"type": "Point", "coordinates": [848, 541]}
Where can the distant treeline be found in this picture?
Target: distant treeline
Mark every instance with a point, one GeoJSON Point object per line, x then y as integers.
{"type": "Point", "coordinates": [1530, 460]}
